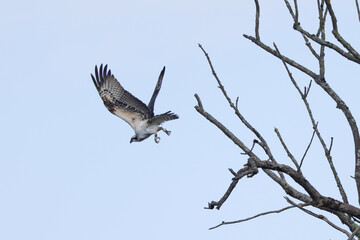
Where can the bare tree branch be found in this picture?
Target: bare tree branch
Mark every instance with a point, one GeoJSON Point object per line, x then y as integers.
{"type": "Point", "coordinates": [354, 233]}
{"type": "Point", "coordinates": [331, 144]}
{"type": "Point", "coordinates": [341, 105]}
{"type": "Point", "coordinates": [336, 33]}
{"type": "Point", "coordinates": [314, 124]}
{"type": "Point", "coordinates": [307, 149]}
{"type": "Point", "coordinates": [322, 217]}
{"type": "Point", "coordinates": [286, 149]}
{"type": "Point", "coordinates": [308, 195]}
{"type": "Point", "coordinates": [295, 18]}
{"type": "Point", "coordinates": [316, 38]}
{"type": "Point", "coordinates": [321, 59]}
{"type": "Point", "coordinates": [307, 90]}
{"type": "Point", "coordinates": [281, 181]}
{"type": "Point", "coordinates": [357, 8]}
{"type": "Point", "coordinates": [226, 131]}
{"type": "Point", "coordinates": [331, 205]}
{"type": "Point", "coordinates": [286, 59]}
{"type": "Point", "coordinates": [322, 16]}
{"type": "Point", "coordinates": [237, 112]}
{"type": "Point", "coordinates": [249, 170]}
{"type": "Point", "coordinates": [318, 200]}
{"type": "Point", "coordinates": [312, 50]}
{"type": "Point", "coordinates": [257, 19]}
{"type": "Point", "coordinates": [250, 218]}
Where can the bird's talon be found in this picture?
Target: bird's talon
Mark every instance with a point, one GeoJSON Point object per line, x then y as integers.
{"type": "Point", "coordinates": [157, 139]}
{"type": "Point", "coordinates": [168, 132]}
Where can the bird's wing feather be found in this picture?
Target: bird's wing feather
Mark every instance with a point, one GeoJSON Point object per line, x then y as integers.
{"type": "Point", "coordinates": [156, 91]}
{"type": "Point", "coordinates": [159, 119]}
{"type": "Point", "coordinates": [116, 99]}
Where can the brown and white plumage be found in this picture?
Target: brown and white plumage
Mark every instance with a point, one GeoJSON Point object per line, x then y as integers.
{"type": "Point", "coordinates": [124, 105]}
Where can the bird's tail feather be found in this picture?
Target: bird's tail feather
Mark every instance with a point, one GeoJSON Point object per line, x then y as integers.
{"type": "Point", "coordinates": [159, 119]}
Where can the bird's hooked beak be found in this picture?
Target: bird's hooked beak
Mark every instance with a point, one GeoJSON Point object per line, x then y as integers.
{"type": "Point", "coordinates": [133, 139]}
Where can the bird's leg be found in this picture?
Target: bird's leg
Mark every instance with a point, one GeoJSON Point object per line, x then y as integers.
{"type": "Point", "coordinates": [166, 131]}
{"type": "Point", "coordinates": [156, 138]}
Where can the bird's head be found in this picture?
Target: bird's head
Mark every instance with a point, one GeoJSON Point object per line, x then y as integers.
{"type": "Point", "coordinates": [134, 139]}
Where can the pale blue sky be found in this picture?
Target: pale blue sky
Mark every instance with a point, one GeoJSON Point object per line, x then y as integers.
{"type": "Point", "coordinates": [67, 170]}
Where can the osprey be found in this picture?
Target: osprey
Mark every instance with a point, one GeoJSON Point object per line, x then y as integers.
{"type": "Point", "coordinates": [133, 111]}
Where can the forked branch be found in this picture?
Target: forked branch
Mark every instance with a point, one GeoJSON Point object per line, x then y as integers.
{"type": "Point", "coordinates": [279, 173]}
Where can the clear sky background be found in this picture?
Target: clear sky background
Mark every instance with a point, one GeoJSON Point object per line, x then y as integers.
{"type": "Point", "coordinates": [67, 170]}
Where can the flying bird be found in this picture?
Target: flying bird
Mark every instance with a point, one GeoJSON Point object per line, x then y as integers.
{"type": "Point", "coordinates": [129, 108]}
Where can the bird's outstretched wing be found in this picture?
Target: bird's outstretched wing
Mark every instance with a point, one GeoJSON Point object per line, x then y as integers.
{"type": "Point", "coordinates": [117, 100]}
{"type": "Point", "coordinates": [156, 91]}
{"type": "Point", "coordinates": [159, 119]}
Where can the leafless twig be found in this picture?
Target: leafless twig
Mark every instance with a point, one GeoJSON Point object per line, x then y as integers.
{"type": "Point", "coordinates": [307, 89]}
{"type": "Point", "coordinates": [314, 124]}
{"type": "Point", "coordinates": [250, 218]}
{"type": "Point", "coordinates": [336, 33]}
{"type": "Point", "coordinates": [249, 170]}
{"type": "Point", "coordinates": [315, 37]}
{"type": "Point", "coordinates": [286, 149]}
{"type": "Point", "coordinates": [322, 217]}
{"type": "Point", "coordinates": [351, 237]}
{"type": "Point", "coordinates": [257, 6]}
{"type": "Point", "coordinates": [307, 149]}
{"type": "Point", "coordinates": [357, 8]}
{"type": "Point", "coordinates": [237, 112]}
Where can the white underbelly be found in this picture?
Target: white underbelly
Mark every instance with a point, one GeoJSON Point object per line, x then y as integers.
{"type": "Point", "coordinates": [144, 129]}
{"type": "Point", "coordinates": [141, 127]}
